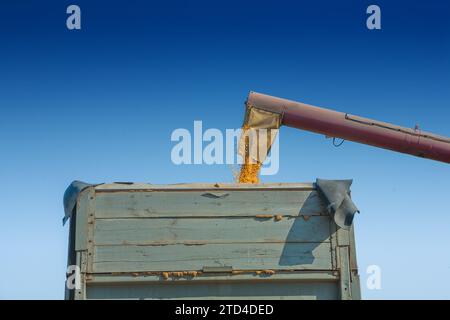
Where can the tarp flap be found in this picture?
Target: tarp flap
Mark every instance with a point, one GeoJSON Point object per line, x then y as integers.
{"type": "Point", "coordinates": [340, 206]}
{"type": "Point", "coordinates": [71, 196]}
{"type": "Point", "coordinates": [261, 119]}
{"type": "Point", "coordinates": [260, 128]}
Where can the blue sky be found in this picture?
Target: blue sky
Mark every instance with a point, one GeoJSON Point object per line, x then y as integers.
{"type": "Point", "coordinates": [100, 104]}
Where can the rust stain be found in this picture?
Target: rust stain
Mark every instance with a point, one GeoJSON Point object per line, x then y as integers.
{"type": "Point", "coordinates": [268, 272]}
{"type": "Point", "coordinates": [306, 218]}
{"type": "Point", "coordinates": [278, 217]}
{"type": "Point", "coordinates": [194, 243]}
{"type": "Point", "coordinates": [192, 273]}
{"type": "Point", "coordinates": [265, 272]}
{"type": "Point", "coordinates": [165, 243]}
{"type": "Point", "coordinates": [238, 272]}
{"type": "Point", "coordinates": [264, 216]}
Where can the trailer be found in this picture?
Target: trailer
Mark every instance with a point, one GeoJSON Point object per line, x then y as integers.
{"type": "Point", "coordinates": [210, 241]}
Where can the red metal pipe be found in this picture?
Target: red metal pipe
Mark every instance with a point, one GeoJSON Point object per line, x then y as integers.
{"type": "Point", "coordinates": [345, 126]}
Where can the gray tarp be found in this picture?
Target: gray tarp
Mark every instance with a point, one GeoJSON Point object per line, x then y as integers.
{"type": "Point", "coordinates": [71, 196]}
{"type": "Point", "coordinates": [339, 204]}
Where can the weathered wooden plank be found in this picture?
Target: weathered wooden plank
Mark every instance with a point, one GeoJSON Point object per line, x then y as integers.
{"type": "Point", "coordinates": [308, 256]}
{"type": "Point", "coordinates": [353, 263]}
{"type": "Point", "coordinates": [345, 278]}
{"type": "Point", "coordinates": [118, 186]}
{"type": "Point", "coordinates": [80, 293]}
{"type": "Point", "coordinates": [333, 241]}
{"type": "Point", "coordinates": [207, 203]}
{"type": "Point", "coordinates": [355, 286]}
{"type": "Point", "coordinates": [343, 237]}
{"type": "Point", "coordinates": [145, 278]}
{"type": "Point", "coordinates": [210, 230]}
{"type": "Point", "coordinates": [82, 212]}
{"type": "Point", "coordinates": [204, 290]}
